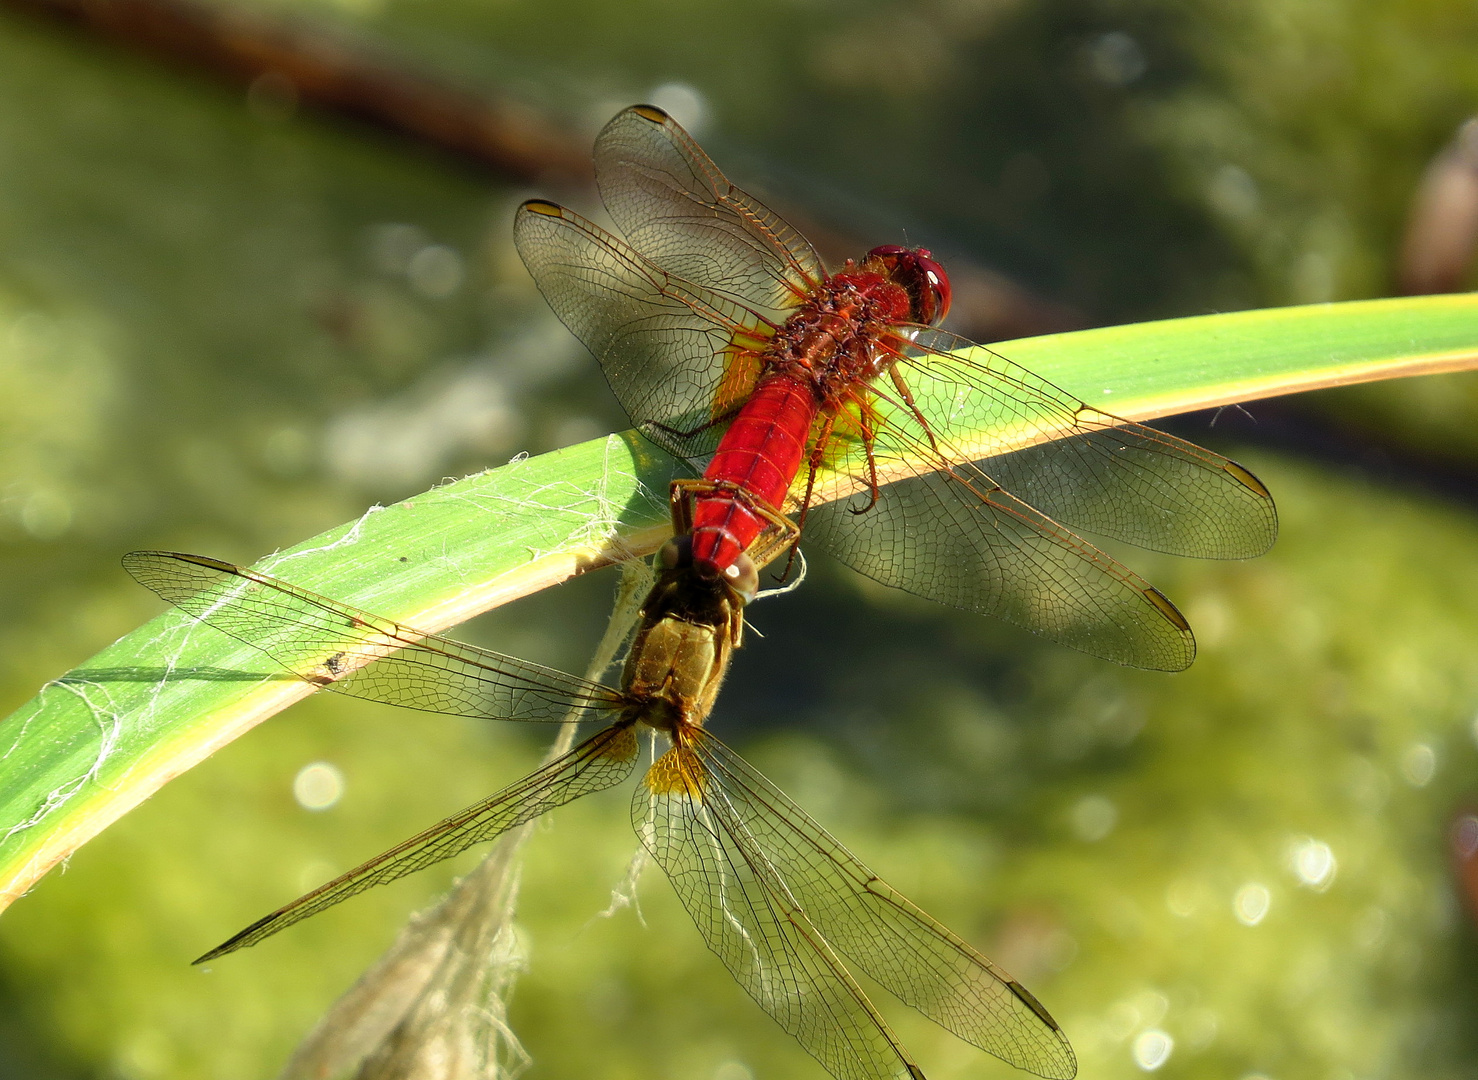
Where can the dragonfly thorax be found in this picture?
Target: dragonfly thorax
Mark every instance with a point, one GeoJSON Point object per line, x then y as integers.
{"type": "Point", "coordinates": [690, 626]}
{"type": "Point", "coordinates": [837, 336]}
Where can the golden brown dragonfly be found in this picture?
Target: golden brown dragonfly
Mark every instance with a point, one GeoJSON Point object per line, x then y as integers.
{"type": "Point", "coordinates": [784, 905]}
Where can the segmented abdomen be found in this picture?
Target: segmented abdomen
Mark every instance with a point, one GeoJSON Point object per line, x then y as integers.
{"type": "Point", "coordinates": [760, 455]}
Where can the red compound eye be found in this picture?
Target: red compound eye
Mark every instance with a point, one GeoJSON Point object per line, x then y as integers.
{"type": "Point", "coordinates": [920, 276]}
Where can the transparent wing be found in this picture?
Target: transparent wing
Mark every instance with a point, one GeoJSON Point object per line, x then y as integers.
{"type": "Point", "coordinates": [602, 761]}
{"type": "Point", "coordinates": [1092, 470]}
{"type": "Point", "coordinates": [750, 919]}
{"type": "Point", "coordinates": [675, 207]}
{"type": "Point", "coordinates": [354, 652]}
{"type": "Point", "coordinates": [991, 532]}
{"type": "Point", "coordinates": [877, 929]}
{"type": "Point", "coordinates": [954, 536]}
{"type": "Point", "coordinates": [678, 356]}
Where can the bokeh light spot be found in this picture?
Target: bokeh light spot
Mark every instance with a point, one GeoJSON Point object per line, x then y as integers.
{"type": "Point", "coordinates": [435, 271]}
{"type": "Point", "coordinates": [1152, 1049]}
{"type": "Point", "coordinates": [1419, 764]}
{"type": "Point", "coordinates": [1234, 193]}
{"type": "Point", "coordinates": [1312, 862]}
{"type": "Point", "coordinates": [318, 786]}
{"type": "Point", "coordinates": [1371, 928]}
{"type": "Point", "coordinates": [683, 103]}
{"type": "Point", "coordinates": [1094, 817]}
{"type": "Point", "coordinates": [1251, 903]}
{"type": "Point", "coordinates": [1116, 58]}
{"type": "Point", "coordinates": [1314, 279]}
{"type": "Point", "coordinates": [1184, 896]}
{"type": "Point", "coordinates": [46, 514]}
{"type": "Point", "coordinates": [1367, 785]}
{"type": "Point", "coordinates": [288, 451]}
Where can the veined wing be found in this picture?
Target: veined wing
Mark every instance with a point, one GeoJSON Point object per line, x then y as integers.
{"type": "Point", "coordinates": [955, 536]}
{"type": "Point", "coordinates": [353, 652]}
{"type": "Point", "coordinates": [675, 207]}
{"type": "Point", "coordinates": [877, 929]}
{"type": "Point", "coordinates": [603, 760]}
{"type": "Point", "coordinates": [672, 351]}
{"type": "Point", "coordinates": [750, 919]}
{"type": "Point", "coordinates": [1089, 469]}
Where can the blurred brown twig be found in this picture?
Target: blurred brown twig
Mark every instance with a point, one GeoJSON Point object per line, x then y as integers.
{"type": "Point", "coordinates": [325, 69]}
{"type": "Point", "coordinates": [1442, 229]}
{"type": "Point", "coordinates": [1462, 838]}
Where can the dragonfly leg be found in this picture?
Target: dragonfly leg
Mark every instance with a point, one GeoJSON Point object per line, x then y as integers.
{"type": "Point", "coordinates": [780, 533]}
{"type": "Point", "coordinates": [683, 434]}
{"type": "Point", "coordinates": [680, 505]}
{"type": "Point", "coordinates": [923, 421]}
{"type": "Point", "coordinates": [869, 434]}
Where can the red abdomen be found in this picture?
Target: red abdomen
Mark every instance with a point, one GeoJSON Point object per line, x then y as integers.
{"type": "Point", "coordinates": [760, 455]}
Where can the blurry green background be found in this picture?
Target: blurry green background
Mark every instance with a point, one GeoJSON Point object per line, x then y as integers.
{"type": "Point", "coordinates": [226, 325]}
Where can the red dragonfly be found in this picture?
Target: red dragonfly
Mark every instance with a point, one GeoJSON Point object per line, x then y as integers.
{"type": "Point", "coordinates": [774, 895]}
{"type": "Point", "coordinates": [730, 345]}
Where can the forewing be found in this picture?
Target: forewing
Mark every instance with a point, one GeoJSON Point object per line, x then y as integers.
{"type": "Point", "coordinates": [671, 350]}
{"type": "Point", "coordinates": [756, 927]}
{"type": "Point", "coordinates": [353, 652]}
{"type": "Point", "coordinates": [880, 931]}
{"type": "Point", "coordinates": [1088, 469]}
{"type": "Point", "coordinates": [603, 760]}
{"type": "Point", "coordinates": [953, 535]}
{"type": "Point", "coordinates": [675, 207]}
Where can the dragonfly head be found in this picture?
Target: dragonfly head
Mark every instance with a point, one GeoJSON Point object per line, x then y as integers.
{"type": "Point", "coordinates": [925, 281]}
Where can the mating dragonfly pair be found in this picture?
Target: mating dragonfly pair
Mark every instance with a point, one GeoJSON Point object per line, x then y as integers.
{"type": "Point", "coordinates": [823, 406]}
